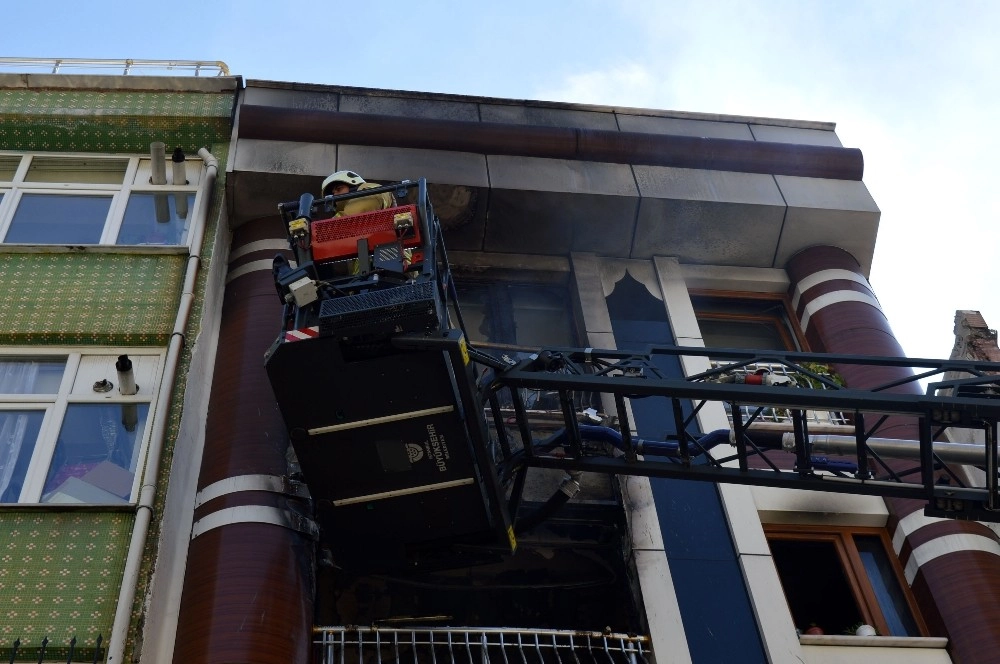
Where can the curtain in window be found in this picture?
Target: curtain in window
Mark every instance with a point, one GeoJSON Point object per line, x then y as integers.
{"type": "Point", "coordinates": [16, 377]}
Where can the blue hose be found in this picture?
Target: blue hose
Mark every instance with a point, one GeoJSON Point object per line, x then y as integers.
{"type": "Point", "coordinates": [670, 448]}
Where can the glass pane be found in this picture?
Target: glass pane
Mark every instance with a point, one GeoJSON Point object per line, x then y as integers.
{"type": "Point", "coordinates": [521, 314]}
{"type": "Point", "coordinates": [96, 454]}
{"type": "Point", "coordinates": [816, 588]}
{"type": "Point", "coordinates": [727, 322]}
{"type": "Point", "coordinates": [18, 434]}
{"type": "Point", "coordinates": [59, 219]}
{"type": "Point", "coordinates": [885, 583]}
{"type": "Point", "coordinates": [474, 315]}
{"type": "Point", "coordinates": [156, 219]}
{"type": "Point", "coordinates": [8, 166]}
{"type": "Point", "coordinates": [31, 376]}
{"type": "Point", "coordinates": [541, 316]}
{"type": "Point", "coordinates": [758, 335]}
{"type": "Point", "coordinates": [76, 170]}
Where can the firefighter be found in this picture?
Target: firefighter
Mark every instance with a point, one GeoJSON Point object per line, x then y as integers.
{"type": "Point", "coordinates": [343, 182]}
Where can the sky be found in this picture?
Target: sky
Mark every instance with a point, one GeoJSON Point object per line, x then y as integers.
{"type": "Point", "coordinates": [913, 83]}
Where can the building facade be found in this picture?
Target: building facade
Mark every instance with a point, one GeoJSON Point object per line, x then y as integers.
{"type": "Point", "coordinates": [566, 225]}
{"type": "Point", "coordinates": [100, 261]}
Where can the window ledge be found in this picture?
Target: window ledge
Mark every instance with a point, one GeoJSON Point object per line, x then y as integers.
{"type": "Point", "coordinates": [93, 249]}
{"type": "Point", "coordinates": [868, 641]}
{"type": "Point", "coordinates": [68, 507]}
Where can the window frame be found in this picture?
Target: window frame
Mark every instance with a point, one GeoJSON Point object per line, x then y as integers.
{"type": "Point", "coordinates": [492, 274]}
{"type": "Point", "coordinates": [500, 302]}
{"type": "Point", "coordinates": [842, 538]}
{"type": "Point", "coordinates": [787, 327]}
{"type": "Point", "coordinates": [13, 190]}
{"type": "Point", "coordinates": [55, 405]}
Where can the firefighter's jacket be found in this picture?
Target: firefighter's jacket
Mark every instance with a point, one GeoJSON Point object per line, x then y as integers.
{"type": "Point", "coordinates": [365, 203]}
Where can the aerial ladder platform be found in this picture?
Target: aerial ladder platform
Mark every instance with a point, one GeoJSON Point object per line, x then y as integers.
{"type": "Point", "coordinates": [414, 444]}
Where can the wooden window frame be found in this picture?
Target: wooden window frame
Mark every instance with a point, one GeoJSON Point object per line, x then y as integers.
{"type": "Point", "coordinates": [787, 329]}
{"type": "Point", "coordinates": [842, 537]}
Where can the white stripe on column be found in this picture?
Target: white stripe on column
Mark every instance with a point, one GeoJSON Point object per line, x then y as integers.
{"type": "Point", "coordinates": [252, 266]}
{"type": "Point", "coordinates": [270, 483]}
{"type": "Point", "coordinates": [835, 297]}
{"type": "Point", "coordinates": [817, 278]}
{"type": "Point", "coordinates": [253, 514]}
{"type": "Point", "coordinates": [257, 245]}
{"type": "Point", "coordinates": [942, 546]}
{"type": "Point", "coordinates": [910, 524]}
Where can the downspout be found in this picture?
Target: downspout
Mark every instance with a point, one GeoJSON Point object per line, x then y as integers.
{"type": "Point", "coordinates": [147, 491]}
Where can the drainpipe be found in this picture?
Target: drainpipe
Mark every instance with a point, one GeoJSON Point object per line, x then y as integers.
{"type": "Point", "coordinates": [147, 492]}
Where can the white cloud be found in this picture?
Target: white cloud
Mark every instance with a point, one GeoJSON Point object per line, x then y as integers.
{"type": "Point", "coordinates": [624, 84]}
{"type": "Point", "coordinates": [915, 90]}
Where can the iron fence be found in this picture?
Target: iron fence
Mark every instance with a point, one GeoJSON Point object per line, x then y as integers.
{"type": "Point", "coordinates": [48, 651]}
{"type": "Point", "coordinates": [476, 645]}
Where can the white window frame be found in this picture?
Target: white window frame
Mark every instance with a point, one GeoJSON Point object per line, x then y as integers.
{"type": "Point", "coordinates": [55, 406]}
{"type": "Point", "coordinates": [13, 190]}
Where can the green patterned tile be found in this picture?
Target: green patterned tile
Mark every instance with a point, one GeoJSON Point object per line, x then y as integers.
{"type": "Point", "coordinates": [106, 299]}
{"type": "Point", "coordinates": [60, 575]}
{"type": "Point", "coordinates": [94, 121]}
{"type": "Point", "coordinates": [57, 102]}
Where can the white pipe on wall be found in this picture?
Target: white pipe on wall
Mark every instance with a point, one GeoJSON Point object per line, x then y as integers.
{"type": "Point", "coordinates": [157, 163]}
{"type": "Point", "coordinates": [147, 491]}
{"type": "Point", "coordinates": [961, 453]}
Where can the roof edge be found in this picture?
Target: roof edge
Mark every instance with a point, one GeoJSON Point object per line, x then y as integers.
{"type": "Point", "coordinates": [536, 103]}
{"type": "Point", "coordinates": [120, 83]}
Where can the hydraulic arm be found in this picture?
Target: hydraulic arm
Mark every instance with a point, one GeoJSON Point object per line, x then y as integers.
{"type": "Point", "coordinates": [413, 443]}
{"type": "Point", "coordinates": [790, 426]}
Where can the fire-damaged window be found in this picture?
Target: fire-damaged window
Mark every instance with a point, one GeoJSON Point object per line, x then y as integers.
{"type": "Point", "coordinates": [515, 320]}
{"type": "Point", "coordinates": [74, 427]}
{"type": "Point", "coordinates": [94, 199]}
{"type": "Point", "coordinates": [571, 569]}
{"type": "Point", "coordinates": [525, 315]}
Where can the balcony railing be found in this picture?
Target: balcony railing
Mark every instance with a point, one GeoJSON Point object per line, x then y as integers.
{"type": "Point", "coordinates": [816, 419]}
{"type": "Point", "coordinates": [124, 67]}
{"type": "Point", "coordinates": [476, 645]}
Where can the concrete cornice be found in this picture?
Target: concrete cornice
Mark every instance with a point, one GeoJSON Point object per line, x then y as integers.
{"type": "Point", "coordinates": [534, 103]}
{"type": "Point", "coordinates": [105, 83]}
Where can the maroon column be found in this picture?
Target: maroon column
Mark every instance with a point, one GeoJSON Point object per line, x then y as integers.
{"type": "Point", "coordinates": [958, 584]}
{"type": "Point", "coordinates": [248, 588]}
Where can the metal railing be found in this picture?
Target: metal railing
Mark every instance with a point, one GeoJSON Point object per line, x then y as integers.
{"type": "Point", "coordinates": [476, 645]}
{"type": "Point", "coordinates": [776, 415]}
{"type": "Point", "coordinates": [48, 651]}
{"type": "Point", "coordinates": [124, 67]}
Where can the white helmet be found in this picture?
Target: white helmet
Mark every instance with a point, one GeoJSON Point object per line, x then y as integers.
{"type": "Point", "coordinates": [350, 178]}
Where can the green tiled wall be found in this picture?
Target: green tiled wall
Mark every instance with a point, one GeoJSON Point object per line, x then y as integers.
{"type": "Point", "coordinates": [100, 298]}
{"type": "Point", "coordinates": [105, 299]}
{"type": "Point", "coordinates": [60, 573]}
{"type": "Point", "coordinates": [110, 121]}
